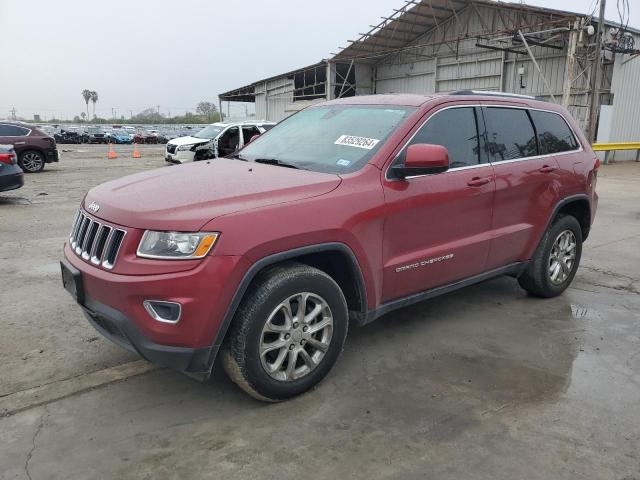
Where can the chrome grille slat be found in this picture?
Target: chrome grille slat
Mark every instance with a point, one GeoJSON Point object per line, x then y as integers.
{"type": "Point", "coordinates": [112, 248]}
{"type": "Point", "coordinates": [81, 234]}
{"type": "Point", "coordinates": [98, 249]}
{"type": "Point", "coordinates": [74, 225]}
{"type": "Point", "coordinates": [76, 229]}
{"type": "Point", "coordinates": [89, 239]}
{"type": "Point", "coordinates": [94, 241]}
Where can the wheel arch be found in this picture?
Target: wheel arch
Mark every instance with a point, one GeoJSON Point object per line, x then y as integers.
{"type": "Point", "coordinates": [33, 149]}
{"type": "Point", "coordinates": [324, 257]}
{"type": "Point", "coordinates": [577, 206]}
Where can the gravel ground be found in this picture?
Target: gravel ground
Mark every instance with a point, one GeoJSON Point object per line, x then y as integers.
{"type": "Point", "coordinates": [483, 383]}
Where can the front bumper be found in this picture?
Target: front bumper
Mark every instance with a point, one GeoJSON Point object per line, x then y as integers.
{"type": "Point", "coordinates": [11, 179]}
{"type": "Point", "coordinates": [113, 305]}
{"type": "Point", "coordinates": [183, 156]}
{"type": "Point", "coordinates": [113, 325]}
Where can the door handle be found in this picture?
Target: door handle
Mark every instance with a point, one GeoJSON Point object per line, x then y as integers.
{"type": "Point", "coordinates": [478, 181]}
{"type": "Point", "coordinates": [548, 169]}
{"type": "Point", "coordinates": [19, 143]}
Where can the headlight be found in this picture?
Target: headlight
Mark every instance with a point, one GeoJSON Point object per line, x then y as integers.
{"type": "Point", "coordinates": [176, 245]}
{"type": "Point", "coordinates": [182, 148]}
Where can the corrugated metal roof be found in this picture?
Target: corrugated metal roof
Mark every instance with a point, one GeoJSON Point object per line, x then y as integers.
{"type": "Point", "coordinates": [417, 17]}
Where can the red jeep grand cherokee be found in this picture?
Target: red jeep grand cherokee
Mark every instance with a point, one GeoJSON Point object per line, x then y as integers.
{"type": "Point", "coordinates": [342, 212]}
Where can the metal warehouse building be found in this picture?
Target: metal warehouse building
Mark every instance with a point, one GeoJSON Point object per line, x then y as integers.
{"type": "Point", "coordinates": [433, 46]}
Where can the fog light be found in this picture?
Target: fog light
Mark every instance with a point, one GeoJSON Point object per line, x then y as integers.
{"type": "Point", "coordinates": [167, 312]}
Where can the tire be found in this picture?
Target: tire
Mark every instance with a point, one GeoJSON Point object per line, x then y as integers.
{"type": "Point", "coordinates": [31, 161]}
{"type": "Point", "coordinates": [261, 321]}
{"type": "Point", "coordinates": [545, 276]}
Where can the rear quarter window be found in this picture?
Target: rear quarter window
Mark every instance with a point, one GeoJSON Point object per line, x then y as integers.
{"type": "Point", "coordinates": [554, 135]}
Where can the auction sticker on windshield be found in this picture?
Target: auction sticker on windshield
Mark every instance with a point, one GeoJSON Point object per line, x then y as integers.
{"type": "Point", "coordinates": [353, 141]}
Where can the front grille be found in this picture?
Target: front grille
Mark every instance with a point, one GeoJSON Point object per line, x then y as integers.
{"type": "Point", "coordinates": [94, 241]}
{"type": "Point", "coordinates": [171, 148]}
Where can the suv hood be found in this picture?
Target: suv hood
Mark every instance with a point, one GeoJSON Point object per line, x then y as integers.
{"type": "Point", "coordinates": [188, 140]}
{"type": "Point", "coordinates": [186, 197]}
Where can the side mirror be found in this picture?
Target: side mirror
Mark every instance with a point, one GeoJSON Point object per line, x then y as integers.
{"type": "Point", "coordinates": [254, 137]}
{"type": "Point", "coordinates": [423, 159]}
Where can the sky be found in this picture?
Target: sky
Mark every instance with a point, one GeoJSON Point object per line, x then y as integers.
{"type": "Point", "coordinates": [144, 53]}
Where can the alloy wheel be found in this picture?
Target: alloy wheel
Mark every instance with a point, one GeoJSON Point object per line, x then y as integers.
{"type": "Point", "coordinates": [32, 161]}
{"type": "Point", "coordinates": [296, 336]}
{"type": "Point", "coordinates": [562, 257]}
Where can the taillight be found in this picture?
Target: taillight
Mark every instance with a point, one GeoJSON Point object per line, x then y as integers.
{"type": "Point", "coordinates": [596, 166]}
{"type": "Point", "coordinates": [8, 158]}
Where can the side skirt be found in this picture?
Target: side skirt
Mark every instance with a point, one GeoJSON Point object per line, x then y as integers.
{"type": "Point", "coordinates": [514, 269]}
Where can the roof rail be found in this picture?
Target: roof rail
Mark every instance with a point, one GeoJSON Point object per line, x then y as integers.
{"type": "Point", "coordinates": [495, 94]}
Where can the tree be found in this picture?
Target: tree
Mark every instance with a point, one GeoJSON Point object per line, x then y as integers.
{"type": "Point", "coordinates": [207, 109]}
{"type": "Point", "coordinates": [94, 99]}
{"type": "Point", "coordinates": [86, 94]}
{"type": "Point", "coordinates": [84, 116]}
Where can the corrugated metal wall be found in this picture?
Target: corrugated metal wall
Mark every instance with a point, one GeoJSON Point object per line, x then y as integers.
{"type": "Point", "coordinates": [462, 65]}
{"type": "Point", "coordinates": [273, 105]}
{"type": "Point", "coordinates": [467, 66]}
{"type": "Point", "coordinates": [625, 126]}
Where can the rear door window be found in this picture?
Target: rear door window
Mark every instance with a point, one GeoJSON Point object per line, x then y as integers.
{"type": "Point", "coordinates": [510, 134]}
{"type": "Point", "coordinates": [554, 135]}
{"type": "Point", "coordinates": [455, 129]}
{"type": "Point", "coordinates": [248, 132]}
{"type": "Point", "coordinates": [12, 131]}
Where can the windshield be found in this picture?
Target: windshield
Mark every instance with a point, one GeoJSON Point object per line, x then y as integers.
{"type": "Point", "coordinates": [94, 130]}
{"type": "Point", "coordinates": [209, 132]}
{"type": "Point", "coordinates": [331, 138]}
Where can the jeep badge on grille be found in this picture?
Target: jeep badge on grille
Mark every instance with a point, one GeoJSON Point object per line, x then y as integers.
{"type": "Point", "coordinates": [94, 207]}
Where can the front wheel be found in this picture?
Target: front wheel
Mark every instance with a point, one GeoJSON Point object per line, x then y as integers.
{"type": "Point", "coordinates": [556, 261]}
{"type": "Point", "coordinates": [287, 334]}
{"type": "Point", "coordinates": [31, 161]}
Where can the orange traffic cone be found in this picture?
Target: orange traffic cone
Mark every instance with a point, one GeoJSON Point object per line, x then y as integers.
{"type": "Point", "coordinates": [112, 154]}
{"type": "Point", "coordinates": [136, 152]}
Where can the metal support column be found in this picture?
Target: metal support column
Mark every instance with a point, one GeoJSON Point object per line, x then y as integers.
{"type": "Point", "coordinates": [595, 78]}
{"type": "Point", "coordinates": [330, 94]}
{"type": "Point", "coordinates": [570, 65]}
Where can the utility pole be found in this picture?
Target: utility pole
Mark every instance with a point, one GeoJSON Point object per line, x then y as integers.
{"type": "Point", "coordinates": [595, 77]}
{"type": "Point", "coordinates": [13, 113]}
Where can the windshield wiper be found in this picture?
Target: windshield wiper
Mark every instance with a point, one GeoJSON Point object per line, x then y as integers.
{"type": "Point", "coordinates": [275, 161]}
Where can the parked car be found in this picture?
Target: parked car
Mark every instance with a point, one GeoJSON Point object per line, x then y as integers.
{"type": "Point", "coordinates": [97, 135]}
{"type": "Point", "coordinates": [70, 137]}
{"type": "Point", "coordinates": [215, 140]}
{"type": "Point", "coordinates": [11, 176]}
{"type": "Point", "coordinates": [163, 138]}
{"type": "Point", "coordinates": [33, 147]}
{"type": "Point", "coordinates": [145, 136]}
{"type": "Point", "coordinates": [344, 212]}
{"type": "Point", "coordinates": [119, 136]}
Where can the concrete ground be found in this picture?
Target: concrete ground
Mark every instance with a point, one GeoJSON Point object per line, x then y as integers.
{"type": "Point", "coordinates": [484, 383]}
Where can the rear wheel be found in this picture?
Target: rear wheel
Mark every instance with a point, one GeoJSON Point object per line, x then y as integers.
{"type": "Point", "coordinates": [287, 334]}
{"type": "Point", "coordinates": [556, 261]}
{"type": "Point", "coordinates": [31, 161]}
